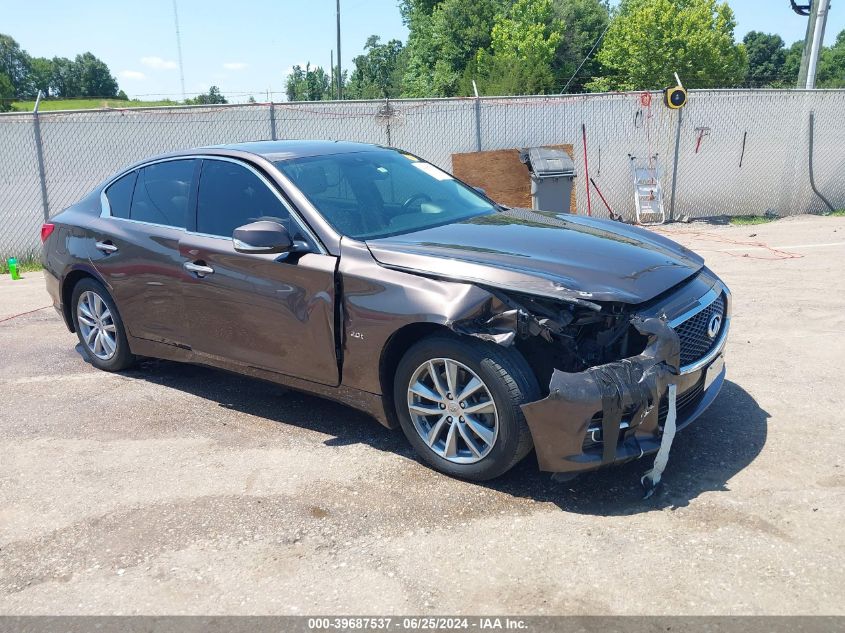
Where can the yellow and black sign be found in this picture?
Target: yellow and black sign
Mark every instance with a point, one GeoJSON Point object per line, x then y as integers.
{"type": "Point", "coordinates": [675, 97]}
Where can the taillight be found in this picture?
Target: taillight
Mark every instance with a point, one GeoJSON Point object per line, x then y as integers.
{"type": "Point", "coordinates": [46, 231]}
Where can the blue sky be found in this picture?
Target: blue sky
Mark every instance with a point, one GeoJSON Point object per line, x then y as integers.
{"type": "Point", "coordinates": [248, 47]}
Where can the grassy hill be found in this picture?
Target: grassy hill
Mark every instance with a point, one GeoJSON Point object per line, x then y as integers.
{"type": "Point", "coordinates": [87, 104]}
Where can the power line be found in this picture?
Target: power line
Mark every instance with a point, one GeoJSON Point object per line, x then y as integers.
{"type": "Point", "coordinates": [577, 70]}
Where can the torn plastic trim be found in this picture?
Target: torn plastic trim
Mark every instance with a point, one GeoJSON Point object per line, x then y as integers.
{"type": "Point", "coordinates": [652, 478]}
{"type": "Point", "coordinates": [504, 320]}
{"type": "Point", "coordinates": [560, 421]}
{"type": "Point", "coordinates": [501, 328]}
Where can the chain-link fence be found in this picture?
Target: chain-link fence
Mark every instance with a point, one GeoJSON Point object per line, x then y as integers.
{"type": "Point", "coordinates": [738, 152]}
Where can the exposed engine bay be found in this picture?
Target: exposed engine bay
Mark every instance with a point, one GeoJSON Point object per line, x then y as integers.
{"type": "Point", "coordinates": [567, 335]}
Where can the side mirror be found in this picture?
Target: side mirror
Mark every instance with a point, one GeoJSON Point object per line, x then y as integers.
{"type": "Point", "coordinates": [262, 237]}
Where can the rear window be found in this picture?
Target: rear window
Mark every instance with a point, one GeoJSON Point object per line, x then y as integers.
{"type": "Point", "coordinates": [119, 195]}
{"type": "Point", "coordinates": [162, 193]}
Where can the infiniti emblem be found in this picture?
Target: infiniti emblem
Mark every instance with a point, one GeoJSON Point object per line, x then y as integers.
{"type": "Point", "coordinates": [714, 325]}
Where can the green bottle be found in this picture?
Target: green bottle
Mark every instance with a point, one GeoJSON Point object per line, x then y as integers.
{"type": "Point", "coordinates": [13, 268]}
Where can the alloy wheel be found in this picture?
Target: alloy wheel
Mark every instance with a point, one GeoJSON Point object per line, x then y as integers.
{"type": "Point", "coordinates": [453, 411]}
{"type": "Point", "coordinates": [96, 324]}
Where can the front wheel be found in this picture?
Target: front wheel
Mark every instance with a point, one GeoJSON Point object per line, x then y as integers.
{"type": "Point", "coordinates": [458, 404]}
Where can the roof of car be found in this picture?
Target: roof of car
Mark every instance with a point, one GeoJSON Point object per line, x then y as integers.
{"type": "Point", "coordinates": [283, 150]}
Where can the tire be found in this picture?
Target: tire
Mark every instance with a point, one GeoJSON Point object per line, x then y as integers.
{"type": "Point", "coordinates": [111, 352]}
{"type": "Point", "coordinates": [505, 377]}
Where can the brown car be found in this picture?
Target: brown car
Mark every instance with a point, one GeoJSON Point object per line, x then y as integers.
{"type": "Point", "coordinates": [367, 275]}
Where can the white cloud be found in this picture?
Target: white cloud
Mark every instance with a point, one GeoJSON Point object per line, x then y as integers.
{"type": "Point", "coordinates": [132, 74]}
{"type": "Point", "coordinates": [235, 65]}
{"type": "Point", "coordinates": [159, 64]}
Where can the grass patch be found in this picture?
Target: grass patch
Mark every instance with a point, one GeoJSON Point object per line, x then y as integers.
{"type": "Point", "coordinates": [750, 220]}
{"type": "Point", "coordinates": [839, 213]}
{"type": "Point", "coordinates": [87, 104]}
{"type": "Point", "coordinates": [30, 264]}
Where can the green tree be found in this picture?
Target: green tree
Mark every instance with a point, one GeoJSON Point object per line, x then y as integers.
{"type": "Point", "coordinates": [378, 72]}
{"type": "Point", "coordinates": [791, 65]}
{"type": "Point", "coordinates": [213, 96]}
{"type": "Point", "coordinates": [831, 72]}
{"type": "Point", "coordinates": [766, 57]}
{"type": "Point", "coordinates": [648, 40]}
{"type": "Point", "coordinates": [64, 79]}
{"type": "Point", "coordinates": [524, 41]}
{"type": "Point", "coordinates": [95, 79]}
{"type": "Point", "coordinates": [7, 93]}
{"type": "Point", "coordinates": [443, 42]}
{"type": "Point", "coordinates": [305, 84]}
{"type": "Point", "coordinates": [40, 75]}
{"type": "Point", "coordinates": [584, 22]}
{"type": "Point", "coordinates": [14, 63]}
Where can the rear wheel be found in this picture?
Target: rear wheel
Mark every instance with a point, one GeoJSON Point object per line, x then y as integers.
{"type": "Point", "coordinates": [458, 404]}
{"type": "Point", "coordinates": [99, 327]}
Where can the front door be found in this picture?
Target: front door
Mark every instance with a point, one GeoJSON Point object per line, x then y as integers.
{"type": "Point", "coordinates": [273, 312]}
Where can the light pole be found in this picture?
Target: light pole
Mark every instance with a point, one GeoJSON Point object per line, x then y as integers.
{"type": "Point", "coordinates": [339, 71]}
{"type": "Point", "coordinates": [813, 42]}
{"type": "Point", "coordinates": [818, 38]}
{"type": "Point", "coordinates": [179, 50]}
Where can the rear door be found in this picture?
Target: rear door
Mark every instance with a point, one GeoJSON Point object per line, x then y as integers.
{"type": "Point", "coordinates": [135, 247]}
{"type": "Point", "coordinates": [274, 312]}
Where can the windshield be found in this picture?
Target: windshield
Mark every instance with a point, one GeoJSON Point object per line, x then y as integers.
{"type": "Point", "coordinates": [382, 192]}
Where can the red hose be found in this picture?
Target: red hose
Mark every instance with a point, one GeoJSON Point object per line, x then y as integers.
{"type": "Point", "coordinates": [15, 316]}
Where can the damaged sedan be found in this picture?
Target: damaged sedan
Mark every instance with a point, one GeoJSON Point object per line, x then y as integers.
{"type": "Point", "coordinates": [367, 275]}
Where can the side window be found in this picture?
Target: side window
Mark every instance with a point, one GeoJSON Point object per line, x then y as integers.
{"type": "Point", "coordinates": [322, 181]}
{"type": "Point", "coordinates": [230, 196]}
{"type": "Point", "coordinates": [162, 193]}
{"type": "Point", "coordinates": [119, 195]}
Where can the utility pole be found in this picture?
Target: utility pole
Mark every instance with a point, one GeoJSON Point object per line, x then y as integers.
{"type": "Point", "coordinates": [813, 44]}
{"type": "Point", "coordinates": [332, 70]}
{"type": "Point", "coordinates": [179, 50]}
{"type": "Point", "coordinates": [339, 72]}
{"type": "Point", "coordinates": [818, 40]}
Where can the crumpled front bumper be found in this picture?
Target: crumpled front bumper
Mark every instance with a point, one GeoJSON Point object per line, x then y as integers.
{"type": "Point", "coordinates": [612, 413]}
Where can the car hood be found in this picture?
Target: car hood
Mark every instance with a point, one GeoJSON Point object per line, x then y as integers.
{"type": "Point", "coordinates": [547, 254]}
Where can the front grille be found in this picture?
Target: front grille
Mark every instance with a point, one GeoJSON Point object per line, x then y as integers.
{"type": "Point", "coordinates": [685, 403]}
{"type": "Point", "coordinates": [695, 342]}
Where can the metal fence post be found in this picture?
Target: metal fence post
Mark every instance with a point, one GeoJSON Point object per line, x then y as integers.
{"type": "Point", "coordinates": [675, 164]}
{"type": "Point", "coordinates": [477, 117]}
{"type": "Point", "coordinates": [384, 114]}
{"type": "Point", "coordinates": [39, 154]}
{"type": "Point", "coordinates": [272, 120]}
{"type": "Point", "coordinates": [388, 114]}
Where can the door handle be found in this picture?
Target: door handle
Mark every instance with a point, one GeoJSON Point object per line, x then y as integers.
{"type": "Point", "coordinates": [199, 269]}
{"type": "Point", "coordinates": [106, 247]}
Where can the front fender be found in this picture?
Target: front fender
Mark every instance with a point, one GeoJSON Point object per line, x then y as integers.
{"type": "Point", "coordinates": [378, 302]}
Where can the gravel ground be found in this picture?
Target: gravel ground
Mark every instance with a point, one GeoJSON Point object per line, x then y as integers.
{"type": "Point", "coordinates": [174, 489]}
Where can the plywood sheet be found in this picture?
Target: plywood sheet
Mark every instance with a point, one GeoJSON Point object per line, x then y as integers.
{"type": "Point", "coordinates": [501, 174]}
